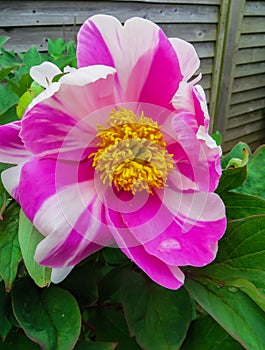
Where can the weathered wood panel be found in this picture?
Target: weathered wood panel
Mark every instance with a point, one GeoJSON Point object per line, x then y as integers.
{"type": "Point", "coordinates": [244, 119]}
{"type": "Point", "coordinates": [246, 113]}
{"type": "Point", "coordinates": [66, 12]}
{"type": "Point", "coordinates": [248, 95]}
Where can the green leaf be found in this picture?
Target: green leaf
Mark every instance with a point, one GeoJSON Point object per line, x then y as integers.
{"type": "Point", "coordinates": [4, 72]}
{"type": "Point", "coordinates": [8, 58]}
{"type": "Point", "coordinates": [8, 99]}
{"type": "Point", "coordinates": [217, 138]}
{"type": "Point", "coordinates": [29, 238]}
{"type": "Point", "coordinates": [249, 289]}
{"type": "Point", "coordinates": [232, 308]}
{"type": "Point", "coordinates": [114, 256]}
{"type": "Point", "coordinates": [50, 317]}
{"type": "Point", "coordinates": [18, 341]}
{"type": "Point", "coordinates": [155, 313]}
{"type": "Point", "coordinates": [26, 99]}
{"type": "Point", "coordinates": [3, 40]}
{"type": "Point", "coordinates": [241, 252]}
{"type": "Point", "coordinates": [242, 205]}
{"type": "Point", "coordinates": [231, 178]}
{"type": "Point", "coordinates": [110, 326]}
{"type": "Point", "coordinates": [85, 345]}
{"type": "Point", "coordinates": [32, 57]}
{"type": "Point", "coordinates": [254, 183]}
{"type": "Point", "coordinates": [82, 283]}
{"type": "Point", "coordinates": [56, 47]}
{"type": "Point", "coordinates": [206, 334]}
{"type": "Point", "coordinates": [5, 324]}
{"type": "Point", "coordinates": [10, 254]}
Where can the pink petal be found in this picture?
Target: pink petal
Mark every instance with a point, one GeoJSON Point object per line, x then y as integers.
{"type": "Point", "coordinates": [147, 65]}
{"type": "Point", "coordinates": [192, 236]}
{"type": "Point", "coordinates": [41, 178]}
{"type": "Point", "coordinates": [61, 123]}
{"type": "Point", "coordinates": [72, 232]}
{"type": "Point", "coordinates": [162, 273]}
{"type": "Point", "coordinates": [12, 149]}
{"type": "Point", "coordinates": [188, 59]}
{"type": "Point", "coordinates": [193, 156]}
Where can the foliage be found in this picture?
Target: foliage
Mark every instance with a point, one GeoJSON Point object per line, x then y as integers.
{"type": "Point", "coordinates": [106, 303]}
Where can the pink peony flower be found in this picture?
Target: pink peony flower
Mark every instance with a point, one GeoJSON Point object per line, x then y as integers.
{"type": "Point", "coordinates": [117, 153]}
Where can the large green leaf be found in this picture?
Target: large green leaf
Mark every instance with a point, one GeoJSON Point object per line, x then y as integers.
{"type": "Point", "coordinates": [5, 324]}
{"type": "Point", "coordinates": [233, 309]}
{"type": "Point", "coordinates": [10, 254]}
{"type": "Point", "coordinates": [241, 252]}
{"type": "Point", "coordinates": [255, 183]}
{"type": "Point", "coordinates": [18, 341]}
{"type": "Point", "coordinates": [29, 238]}
{"type": "Point", "coordinates": [50, 317]}
{"type": "Point", "coordinates": [206, 334]}
{"type": "Point", "coordinates": [158, 317]}
{"type": "Point", "coordinates": [109, 325]}
{"type": "Point", "coordinates": [231, 179]}
{"type": "Point", "coordinates": [242, 205]}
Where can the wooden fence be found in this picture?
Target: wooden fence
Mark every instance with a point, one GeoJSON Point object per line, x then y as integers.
{"type": "Point", "coordinates": [229, 36]}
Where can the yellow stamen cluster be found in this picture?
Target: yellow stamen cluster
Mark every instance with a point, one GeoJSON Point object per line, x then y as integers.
{"type": "Point", "coordinates": [132, 154]}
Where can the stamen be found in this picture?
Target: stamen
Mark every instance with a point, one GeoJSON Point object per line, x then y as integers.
{"type": "Point", "coordinates": [132, 154]}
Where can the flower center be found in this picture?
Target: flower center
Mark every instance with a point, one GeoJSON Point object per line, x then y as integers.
{"type": "Point", "coordinates": [132, 154]}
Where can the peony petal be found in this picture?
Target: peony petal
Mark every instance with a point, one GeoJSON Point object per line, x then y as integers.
{"type": "Point", "coordinates": [72, 232]}
{"type": "Point", "coordinates": [102, 40]}
{"type": "Point", "coordinates": [10, 179]}
{"type": "Point", "coordinates": [59, 274]}
{"type": "Point", "coordinates": [192, 236]}
{"type": "Point", "coordinates": [12, 149]}
{"type": "Point", "coordinates": [44, 73]}
{"type": "Point", "coordinates": [188, 59]}
{"type": "Point", "coordinates": [80, 94]}
{"type": "Point", "coordinates": [162, 273]}
{"type": "Point", "coordinates": [41, 178]}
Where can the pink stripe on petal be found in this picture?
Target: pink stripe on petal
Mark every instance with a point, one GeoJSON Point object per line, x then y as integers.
{"type": "Point", "coordinates": [41, 178]}
{"type": "Point", "coordinates": [166, 275]}
{"type": "Point", "coordinates": [73, 234]}
{"type": "Point", "coordinates": [12, 149]}
{"type": "Point", "coordinates": [92, 48]}
{"type": "Point", "coordinates": [164, 75]}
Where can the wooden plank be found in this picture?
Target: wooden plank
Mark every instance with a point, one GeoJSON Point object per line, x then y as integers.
{"type": "Point", "coordinates": [217, 65]}
{"type": "Point", "coordinates": [206, 66]}
{"type": "Point", "coordinates": [255, 137]}
{"type": "Point", "coordinates": [246, 107]}
{"type": "Point", "coordinates": [197, 2]}
{"type": "Point", "coordinates": [255, 144]}
{"type": "Point", "coordinates": [21, 41]}
{"type": "Point", "coordinates": [253, 25]}
{"type": "Point", "coordinates": [230, 47]}
{"type": "Point", "coordinates": [204, 50]}
{"type": "Point", "coordinates": [249, 69]}
{"type": "Point", "coordinates": [248, 95]}
{"type": "Point", "coordinates": [250, 55]}
{"type": "Point", "coordinates": [248, 83]}
{"type": "Point", "coordinates": [206, 81]}
{"type": "Point", "coordinates": [36, 13]}
{"type": "Point", "coordinates": [252, 40]}
{"type": "Point", "coordinates": [255, 8]}
{"type": "Point", "coordinates": [190, 31]}
{"type": "Point", "coordinates": [245, 119]}
{"type": "Point", "coordinates": [245, 130]}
